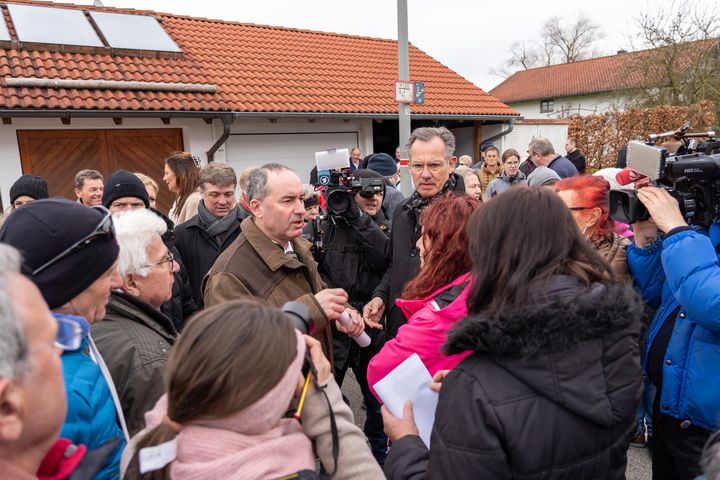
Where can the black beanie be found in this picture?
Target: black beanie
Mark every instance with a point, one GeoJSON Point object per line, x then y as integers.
{"type": "Point", "coordinates": [383, 164]}
{"type": "Point", "coordinates": [30, 185]}
{"type": "Point", "coordinates": [43, 229]}
{"type": "Point", "coordinates": [124, 184]}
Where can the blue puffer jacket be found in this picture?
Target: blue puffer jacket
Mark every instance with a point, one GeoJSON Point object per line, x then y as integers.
{"type": "Point", "coordinates": [91, 418]}
{"type": "Point", "coordinates": [683, 270]}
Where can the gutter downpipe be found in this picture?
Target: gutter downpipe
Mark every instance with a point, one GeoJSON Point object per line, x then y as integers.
{"type": "Point", "coordinates": [501, 134]}
{"type": "Point", "coordinates": [227, 121]}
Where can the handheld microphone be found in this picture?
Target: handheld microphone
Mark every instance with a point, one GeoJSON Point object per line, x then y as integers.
{"type": "Point", "coordinates": [363, 340]}
{"type": "Point", "coordinates": [628, 175]}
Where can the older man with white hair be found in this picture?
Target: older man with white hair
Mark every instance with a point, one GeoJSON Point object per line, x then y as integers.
{"type": "Point", "coordinates": [135, 337]}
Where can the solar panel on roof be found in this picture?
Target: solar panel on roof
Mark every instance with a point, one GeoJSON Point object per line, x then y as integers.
{"type": "Point", "coordinates": [134, 32]}
{"type": "Point", "coordinates": [4, 33]}
{"type": "Point", "coordinates": [60, 26]}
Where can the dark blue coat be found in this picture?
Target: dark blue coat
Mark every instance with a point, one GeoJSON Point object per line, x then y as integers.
{"type": "Point", "coordinates": [683, 270]}
{"type": "Point", "coordinates": [563, 167]}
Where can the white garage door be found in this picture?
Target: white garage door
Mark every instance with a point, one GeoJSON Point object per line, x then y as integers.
{"type": "Point", "coordinates": [296, 150]}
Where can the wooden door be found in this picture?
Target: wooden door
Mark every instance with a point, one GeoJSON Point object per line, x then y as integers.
{"type": "Point", "coordinates": [58, 155]}
{"type": "Point", "coordinates": [144, 151]}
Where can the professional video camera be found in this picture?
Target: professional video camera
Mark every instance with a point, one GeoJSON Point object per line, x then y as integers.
{"type": "Point", "coordinates": [340, 185]}
{"type": "Point", "coordinates": [691, 175]}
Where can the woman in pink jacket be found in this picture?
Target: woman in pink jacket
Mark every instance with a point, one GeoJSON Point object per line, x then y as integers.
{"type": "Point", "coordinates": [436, 298]}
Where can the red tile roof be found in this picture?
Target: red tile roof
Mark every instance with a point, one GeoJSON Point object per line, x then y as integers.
{"type": "Point", "coordinates": [596, 75]}
{"type": "Point", "coordinates": [255, 68]}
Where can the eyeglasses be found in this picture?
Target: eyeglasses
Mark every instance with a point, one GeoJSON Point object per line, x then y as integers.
{"type": "Point", "coordinates": [577, 208]}
{"type": "Point", "coordinates": [168, 258]}
{"type": "Point", "coordinates": [104, 229]}
{"type": "Point", "coordinates": [433, 167]}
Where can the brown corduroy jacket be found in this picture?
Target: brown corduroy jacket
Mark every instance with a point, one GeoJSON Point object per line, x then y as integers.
{"type": "Point", "coordinates": [255, 266]}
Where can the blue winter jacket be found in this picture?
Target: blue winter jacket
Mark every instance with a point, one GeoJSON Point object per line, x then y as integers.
{"type": "Point", "coordinates": [91, 417]}
{"type": "Point", "coordinates": [683, 270]}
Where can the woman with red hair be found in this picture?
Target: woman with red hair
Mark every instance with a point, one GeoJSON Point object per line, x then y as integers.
{"type": "Point", "coordinates": [587, 198]}
{"type": "Point", "coordinates": [436, 298]}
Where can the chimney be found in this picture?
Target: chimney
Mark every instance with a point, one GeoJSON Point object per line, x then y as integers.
{"type": "Point", "coordinates": [620, 52]}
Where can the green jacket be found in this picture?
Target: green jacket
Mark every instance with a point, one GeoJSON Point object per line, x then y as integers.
{"type": "Point", "coordinates": [135, 340]}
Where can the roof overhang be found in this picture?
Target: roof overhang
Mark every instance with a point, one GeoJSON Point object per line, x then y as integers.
{"type": "Point", "coordinates": [72, 113]}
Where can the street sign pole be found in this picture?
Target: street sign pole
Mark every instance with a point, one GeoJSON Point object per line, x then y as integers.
{"type": "Point", "coordinates": [404, 108]}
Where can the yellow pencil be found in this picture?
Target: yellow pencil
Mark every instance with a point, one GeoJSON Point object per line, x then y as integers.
{"type": "Point", "coordinates": [302, 397]}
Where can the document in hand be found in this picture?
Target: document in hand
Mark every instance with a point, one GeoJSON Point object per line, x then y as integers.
{"type": "Point", "coordinates": [410, 381]}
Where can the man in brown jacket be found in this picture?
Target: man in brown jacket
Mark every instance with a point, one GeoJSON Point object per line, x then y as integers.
{"type": "Point", "coordinates": [271, 261]}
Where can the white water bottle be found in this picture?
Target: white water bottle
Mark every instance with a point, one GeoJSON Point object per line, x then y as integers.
{"type": "Point", "coordinates": [363, 340]}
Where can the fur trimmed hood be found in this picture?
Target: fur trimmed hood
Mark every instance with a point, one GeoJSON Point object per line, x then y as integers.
{"type": "Point", "coordinates": [564, 315]}
{"type": "Point", "coordinates": [577, 346]}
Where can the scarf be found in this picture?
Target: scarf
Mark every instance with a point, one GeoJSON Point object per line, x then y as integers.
{"type": "Point", "coordinates": [217, 227]}
{"type": "Point", "coordinates": [416, 202]}
{"type": "Point", "coordinates": [255, 443]}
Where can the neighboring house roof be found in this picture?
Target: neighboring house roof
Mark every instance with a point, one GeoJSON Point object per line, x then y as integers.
{"type": "Point", "coordinates": [626, 70]}
{"type": "Point", "coordinates": [255, 68]}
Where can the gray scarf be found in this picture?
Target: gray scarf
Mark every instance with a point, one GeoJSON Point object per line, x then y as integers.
{"type": "Point", "coordinates": [217, 227]}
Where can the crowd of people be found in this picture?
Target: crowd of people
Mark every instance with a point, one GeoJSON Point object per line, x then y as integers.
{"type": "Point", "coordinates": [142, 344]}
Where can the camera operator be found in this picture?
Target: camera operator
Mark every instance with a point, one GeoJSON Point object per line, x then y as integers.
{"type": "Point", "coordinates": [352, 256]}
{"type": "Point", "coordinates": [680, 275]}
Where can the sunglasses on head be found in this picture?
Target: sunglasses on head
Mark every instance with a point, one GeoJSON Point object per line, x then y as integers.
{"type": "Point", "coordinates": [104, 229]}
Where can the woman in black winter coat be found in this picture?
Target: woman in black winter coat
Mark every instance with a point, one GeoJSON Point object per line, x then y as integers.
{"type": "Point", "coordinates": [551, 389]}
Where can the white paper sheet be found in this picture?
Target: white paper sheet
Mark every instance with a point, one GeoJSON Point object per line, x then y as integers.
{"type": "Point", "coordinates": [410, 381]}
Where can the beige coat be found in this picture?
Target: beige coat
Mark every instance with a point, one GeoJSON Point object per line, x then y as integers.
{"type": "Point", "coordinates": [614, 250]}
{"type": "Point", "coordinates": [189, 210]}
{"type": "Point", "coordinates": [255, 266]}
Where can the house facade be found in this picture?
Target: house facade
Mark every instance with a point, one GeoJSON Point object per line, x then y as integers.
{"type": "Point", "coordinates": [113, 88]}
{"type": "Point", "coordinates": [547, 96]}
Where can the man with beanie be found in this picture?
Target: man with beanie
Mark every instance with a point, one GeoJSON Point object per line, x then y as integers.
{"type": "Point", "coordinates": [27, 189]}
{"type": "Point", "coordinates": [124, 191]}
{"type": "Point", "coordinates": [70, 253]}
{"type": "Point", "coordinates": [352, 255]}
{"type": "Point", "coordinates": [384, 164]}
{"type": "Point", "coordinates": [206, 235]}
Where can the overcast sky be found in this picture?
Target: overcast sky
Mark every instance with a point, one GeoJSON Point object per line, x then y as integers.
{"type": "Point", "coordinates": [471, 37]}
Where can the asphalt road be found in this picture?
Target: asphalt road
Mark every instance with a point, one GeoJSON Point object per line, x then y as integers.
{"type": "Point", "coordinates": [638, 467]}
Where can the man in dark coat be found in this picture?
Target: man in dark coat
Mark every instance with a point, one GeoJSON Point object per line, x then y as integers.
{"type": "Point", "coordinates": [205, 236]}
{"type": "Point", "coordinates": [431, 165]}
{"type": "Point", "coordinates": [543, 153]}
{"type": "Point", "coordinates": [574, 154]}
{"type": "Point", "coordinates": [550, 391]}
{"type": "Point", "coordinates": [352, 255]}
{"type": "Point", "coordinates": [135, 337]}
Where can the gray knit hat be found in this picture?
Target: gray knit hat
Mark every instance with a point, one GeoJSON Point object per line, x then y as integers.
{"type": "Point", "coordinates": [542, 176]}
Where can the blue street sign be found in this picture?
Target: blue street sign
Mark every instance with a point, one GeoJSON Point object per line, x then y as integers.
{"type": "Point", "coordinates": [418, 93]}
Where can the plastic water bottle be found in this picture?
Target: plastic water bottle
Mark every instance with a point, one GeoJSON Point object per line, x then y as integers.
{"type": "Point", "coordinates": [363, 340]}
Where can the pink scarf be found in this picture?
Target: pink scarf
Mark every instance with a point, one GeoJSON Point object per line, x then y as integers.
{"type": "Point", "coordinates": [254, 443]}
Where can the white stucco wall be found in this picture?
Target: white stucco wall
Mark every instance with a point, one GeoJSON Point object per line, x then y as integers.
{"type": "Point", "coordinates": [580, 104]}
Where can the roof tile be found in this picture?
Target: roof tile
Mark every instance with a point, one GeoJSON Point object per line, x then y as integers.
{"type": "Point", "coordinates": [255, 68]}
{"type": "Point", "coordinates": [596, 75]}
